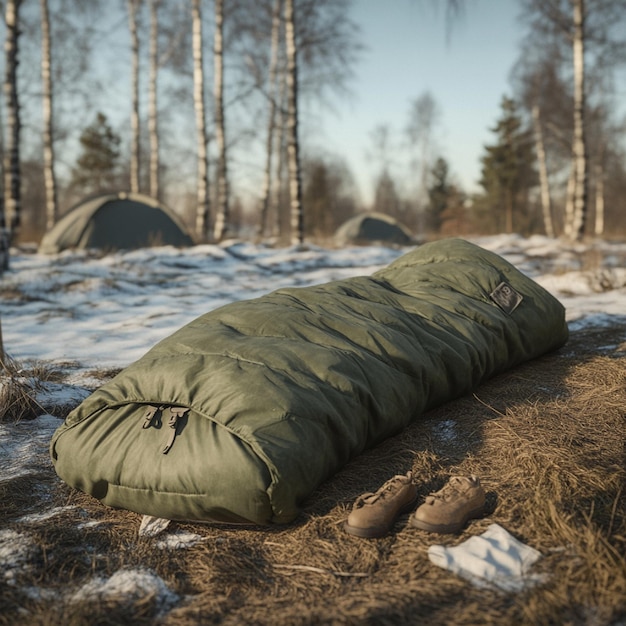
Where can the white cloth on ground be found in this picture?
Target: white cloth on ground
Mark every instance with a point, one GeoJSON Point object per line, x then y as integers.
{"type": "Point", "coordinates": [495, 558]}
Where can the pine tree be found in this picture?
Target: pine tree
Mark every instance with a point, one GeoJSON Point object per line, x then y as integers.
{"type": "Point", "coordinates": [438, 194]}
{"type": "Point", "coordinates": [507, 168]}
{"type": "Point", "coordinates": [96, 167]}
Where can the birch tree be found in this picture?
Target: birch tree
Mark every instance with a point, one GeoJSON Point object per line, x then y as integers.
{"type": "Point", "coordinates": [544, 184]}
{"type": "Point", "coordinates": [578, 198]}
{"type": "Point", "coordinates": [153, 127]}
{"type": "Point", "coordinates": [11, 161]}
{"type": "Point", "coordinates": [221, 215]}
{"type": "Point", "coordinates": [47, 105]}
{"type": "Point", "coordinates": [293, 147]}
{"type": "Point", "coordinates": [580, 42]}
{"type": "Point", "coordinates": [202, 209]}
{"type": "Point", "coordinates": [4, 230]}
{"type": "Point", "coordinates": [133, 8]}
{"type": "Point", "coordinates": [423, 118]}
{"type": "Point", "coordinates": [271, 124]}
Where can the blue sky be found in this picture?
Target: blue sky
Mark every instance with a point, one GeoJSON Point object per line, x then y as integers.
{"type": "Point", "coordinates": [408, 53]}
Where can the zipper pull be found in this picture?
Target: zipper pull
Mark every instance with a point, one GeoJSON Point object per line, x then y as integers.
{"type": "Point", "coordinates": [148, 415]}
{"type": "Point", "coordinates": [176, 412]}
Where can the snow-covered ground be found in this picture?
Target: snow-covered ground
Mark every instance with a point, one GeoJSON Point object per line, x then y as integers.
{"type": "Point", "coordinates": [102, 312]}
{"type": "Point", "coordinates": [82, 313]}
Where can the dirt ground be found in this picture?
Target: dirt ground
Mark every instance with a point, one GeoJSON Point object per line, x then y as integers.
{"type": "Point", "coordinates": [547, 440]}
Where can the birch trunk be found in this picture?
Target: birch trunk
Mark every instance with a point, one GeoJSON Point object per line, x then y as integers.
{"type": "Point", "coordinates": [48, 146]}
{"type": "Point", "coordinates": [599, 221]}
{"type": "Point", "coordinates": [134, 116]}
{"type": "Point", "coordinates": [4, 231]}
{"type": "Point", "coordinates": [568, 219]}
{"type": "Point", "coordinates": [295, 187]}
{"type": "Point", "coordinates": [579, 148]}
{"type": "Point", "coordinates": [2, 356]}
{"type": "Point", "coordinates": [222, 213]}
{"type": "Point", "coordinates": [153, 127]}
{"type": "Point", "coordinates": [280, 161]}
{"type": "Point", "coordinates": [544, 184]}
{"type": "Point", "coordinates": [202, 210]}
{"type": "Point", "coordinates": [12, 197]}
{"type": "Point", "coordinates": [272, 92]}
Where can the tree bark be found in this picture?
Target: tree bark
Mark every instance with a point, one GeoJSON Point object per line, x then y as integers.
{"type": "Point", "coordinates": [222, 213]}
{"type": "Point", "coordinates": [47, 105]}
{"type": "Point", "coordinates": [202, 210]}
{"type": "Point", "coordinates": [579, 148]}
{"type": "Point", "coordinates": [599, 220]}
{"type": "Point", "coordinates": [293, 148]}
{"type": "Point", "coordinates": [133, 5]}
{"type": "Point", "coordinates": [544, 183]}
{"type": "Point", "coordinates": [568, 218]}
{"type": "Point", "coordinates": [279, 186]}
{"type": "Point", "coordinates": [12, 197]}
{"type": "Point", "coordinates": [273, 95]}
{"type": "Point", "coordinates": [153, 126]}
{"type": "Point", "coordinates": [2, 355]}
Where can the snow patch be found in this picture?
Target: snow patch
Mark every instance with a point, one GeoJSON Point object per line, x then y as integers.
{"type": "Point", "coordinates": [179, 540]}
{"type": "Point", "coordinates": [44, 515]}
{"type": "Point", "coordinates": [445, 431]}
{"type": "Point", "coordinates": [16, 549]}
{"type": "Point", "coordinates": [24, 446]}
{"type": "Point", "coordinates": [127, 586]}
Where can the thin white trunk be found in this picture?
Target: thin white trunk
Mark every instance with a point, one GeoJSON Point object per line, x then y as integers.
{"type": "Point", "coordinates": [544, 183]}
{"type": "Point", "coordinates": [272, 92]}
{"type": "Point", "coordinates": [280, 161]}
{"type": "Point", "coordinates": [579, 148]}
{"type": "Point", "coordinates": [133, 5]}
{"type": "Point", "coordinates": [568, 219]}
{"type": "Point", "coordinates": [2, 355]}
{"type": "Point", "coordinates": [48, 146]}
{"type": "Point", "coordinates": [202, 210]}
{"type": "Point", "coordinates": [295, 186]}
{"type": "Point", "coordinates": [599, 221]}
{"type": "Point", "coordinates": [222, 216]}
{"type": "Point", "coordinates": [12, 198]}
{"type": "Point", "coordinates": [153, 127]}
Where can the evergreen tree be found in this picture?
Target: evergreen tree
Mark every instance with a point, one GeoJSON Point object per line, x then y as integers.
{"type": "Point", "coordinates": [455, 218]}
{"type": "Point", "coordinates": [507, 169]}
{"type": "Point", "coordinates": [438, 194]}
{"type": "Point", "coordinates": [97, 167]}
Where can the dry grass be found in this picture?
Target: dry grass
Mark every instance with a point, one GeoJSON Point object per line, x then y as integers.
{"type": "Point", "coordinates": [547, 439]}
{"type": "Point", "coordinates": [18, 387]}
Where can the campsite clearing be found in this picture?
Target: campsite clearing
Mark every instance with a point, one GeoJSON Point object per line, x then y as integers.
{"type": "Point", "coordinates": [547, 439]}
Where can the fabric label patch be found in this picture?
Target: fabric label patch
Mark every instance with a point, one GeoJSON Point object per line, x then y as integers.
{"type": "Point", "coordinates": [506, 297]}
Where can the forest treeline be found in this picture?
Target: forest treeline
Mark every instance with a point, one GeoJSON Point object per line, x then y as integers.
{"type": "Point", "coordinates": [201, 104]}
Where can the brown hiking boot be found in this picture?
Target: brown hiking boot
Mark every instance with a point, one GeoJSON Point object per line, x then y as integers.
{"type": "Point", "coordinates": [373, 514]}
{"type": "Point", "coordinates": [448, 510]}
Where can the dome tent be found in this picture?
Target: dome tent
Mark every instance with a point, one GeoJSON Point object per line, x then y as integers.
{"type": "Point", "coordinates": [116, 221]}
{"type": "Point", "coordinates": [369, 228]}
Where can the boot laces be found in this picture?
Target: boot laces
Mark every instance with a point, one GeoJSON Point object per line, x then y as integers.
{"type": "Point", "coordinates": [451, 490]}
{"type": "Point", "coordinates": [388, 488]}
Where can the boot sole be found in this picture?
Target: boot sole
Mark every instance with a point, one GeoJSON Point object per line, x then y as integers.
{"type": "Point", "coordinates": [445, 529]}
{"type": "Point", "coordinates": [373, 532]}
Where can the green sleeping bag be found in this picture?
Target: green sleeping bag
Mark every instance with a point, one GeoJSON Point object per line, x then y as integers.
{"type": "Point", "coordinates": [242, 413]}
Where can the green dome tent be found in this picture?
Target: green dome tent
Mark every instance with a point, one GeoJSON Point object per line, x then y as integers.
{"type": "Point", "coordinates": [371, 228]}
{"type": "Point", "coordinates": [118, 221]}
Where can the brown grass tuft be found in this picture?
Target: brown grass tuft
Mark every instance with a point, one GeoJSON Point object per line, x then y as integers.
{"type": "Point", "coordinates": [18, 389]}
